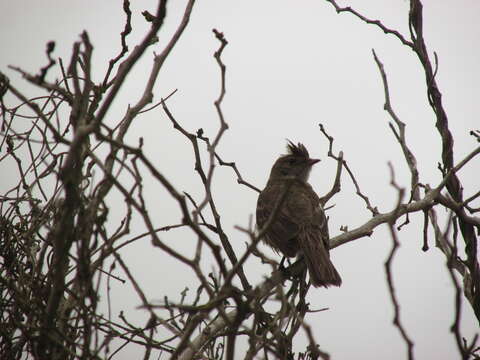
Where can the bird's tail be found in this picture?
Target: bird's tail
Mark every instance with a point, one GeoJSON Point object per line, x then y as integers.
{"type": "Point", "coordinates": [317, 257]}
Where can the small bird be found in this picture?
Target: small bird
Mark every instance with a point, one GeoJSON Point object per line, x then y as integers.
{"type": "Point", "coordinates": [300, 225]}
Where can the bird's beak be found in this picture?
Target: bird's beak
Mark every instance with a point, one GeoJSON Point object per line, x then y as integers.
{"type": "Point", "coordinates": [312, 162]}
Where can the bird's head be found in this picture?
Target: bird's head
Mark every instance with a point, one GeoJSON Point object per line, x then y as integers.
{"type": "Point", "coordinates": [296, 163]}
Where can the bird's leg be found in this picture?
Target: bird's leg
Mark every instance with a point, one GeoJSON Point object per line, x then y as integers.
{"type": "Point", "coordinates": [303, 276]}
{"type": "Point", "coordinates": [304, 286]}
{"type": "Point", "coordinates": [293, 289]}
{"type": "Point", "coordinates": [281, 267]}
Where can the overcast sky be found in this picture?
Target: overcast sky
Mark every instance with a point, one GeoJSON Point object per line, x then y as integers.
{"type": "Point", "coordinates": [290, 65]}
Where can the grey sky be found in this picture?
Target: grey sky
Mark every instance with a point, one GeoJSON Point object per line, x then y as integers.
{"type": "Point", "coordinates": [290, 65]}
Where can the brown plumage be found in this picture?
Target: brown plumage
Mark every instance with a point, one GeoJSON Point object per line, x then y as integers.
{"type": "Point", "coordinates": [300, 226]}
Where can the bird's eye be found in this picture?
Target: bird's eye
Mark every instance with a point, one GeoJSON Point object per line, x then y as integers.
{"type": "Point", "coordinates": [292, 161]}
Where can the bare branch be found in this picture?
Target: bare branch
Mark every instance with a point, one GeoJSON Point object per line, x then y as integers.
{"type": "Point", "coordinates": [373, 210]}
{"type": "Point", "coordinates": [400, 136]}
{"type": "Point", "coordinates": [377, 23]}
{"type": "Point", "coordinates": [388, 269]}
{"type": "Point", "coordinates": [428, 200]}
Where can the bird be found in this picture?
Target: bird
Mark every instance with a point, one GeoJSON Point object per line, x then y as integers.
{"type": "Point", "coordinates": [299, 226]}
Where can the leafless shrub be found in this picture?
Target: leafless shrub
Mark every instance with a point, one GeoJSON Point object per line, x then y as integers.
{"type": "Point", "coordinates": [56, 239]}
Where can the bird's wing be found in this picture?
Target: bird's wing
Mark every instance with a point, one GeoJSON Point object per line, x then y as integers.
{"type": "Point", "coordinates": [306, 209]}
{"type": "Point", "coordinates": [320, 222]}
{"type": "Point", "coordinates": [284, 228]}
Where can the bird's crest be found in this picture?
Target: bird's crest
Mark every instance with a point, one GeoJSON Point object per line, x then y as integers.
{"type": "Point", "coordinates": [297, 150]}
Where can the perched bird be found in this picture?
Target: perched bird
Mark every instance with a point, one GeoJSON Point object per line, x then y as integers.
{"type": "Point", "coordinates": [300, 225]}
